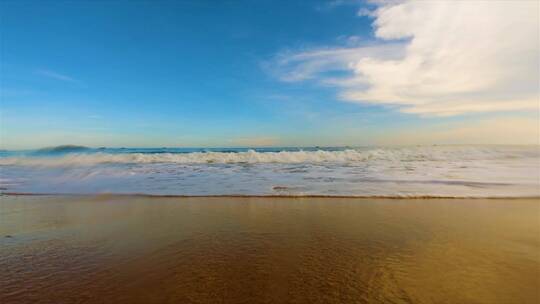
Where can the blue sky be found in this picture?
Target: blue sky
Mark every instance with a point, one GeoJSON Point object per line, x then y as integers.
{"type": "Point", "coordinates": [222, 73]}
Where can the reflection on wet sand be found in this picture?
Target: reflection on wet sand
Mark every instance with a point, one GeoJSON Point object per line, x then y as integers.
{"type": "Point", "coordinates": [121, 249]}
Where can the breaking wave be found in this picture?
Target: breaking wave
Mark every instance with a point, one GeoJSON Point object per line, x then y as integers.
{"type": "Point", "coordinates": [425, 171]}
{"type": "Point", "coordinates": [285, 157]}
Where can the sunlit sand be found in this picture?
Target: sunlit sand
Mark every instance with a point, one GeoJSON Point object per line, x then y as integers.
{"type": "Point", "coordinates": [129, 249]}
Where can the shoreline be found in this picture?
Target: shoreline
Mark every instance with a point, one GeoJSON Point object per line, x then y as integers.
{"type": "Point", "coordinates": [396, 197]}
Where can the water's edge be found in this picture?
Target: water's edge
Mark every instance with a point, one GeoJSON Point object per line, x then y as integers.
{"type": "Point", "coordinates": [143, 195]}
{"type": "Point", "coordinates": [412, 172]}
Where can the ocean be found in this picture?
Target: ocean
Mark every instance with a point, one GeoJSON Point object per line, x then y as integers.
{"type": "Point", "coordinates": [416, 171]}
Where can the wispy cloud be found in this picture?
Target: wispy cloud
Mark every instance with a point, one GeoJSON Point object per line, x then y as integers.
{"type": "Point", "coordinates": [56, 76]}
{"type": "Point", "coordinates": [336, 3]}
{"type": "Point", "coordinates": [434, 58]}
{"type": "Point", "coordinates": [298, 66]}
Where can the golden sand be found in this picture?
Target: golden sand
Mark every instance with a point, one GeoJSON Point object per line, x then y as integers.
{"type": "Point", "coordinates": [129, 249]}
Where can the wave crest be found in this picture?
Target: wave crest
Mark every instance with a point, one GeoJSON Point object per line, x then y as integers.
{"type": "Point", "coordinates": [250, 157]}
{"type": "Point", "coordinates": [253, 157]}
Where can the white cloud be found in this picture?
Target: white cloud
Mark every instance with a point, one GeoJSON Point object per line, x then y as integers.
{"type": "Point", "coordinates": [57, 76]}
{"type": "Point", "coordinates": [435, 58]}
{"type": "Point", "coordinates": [291, 67]}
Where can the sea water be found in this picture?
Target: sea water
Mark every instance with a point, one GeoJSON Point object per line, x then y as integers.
{"type": "Point", "coordinates": [416, 171]}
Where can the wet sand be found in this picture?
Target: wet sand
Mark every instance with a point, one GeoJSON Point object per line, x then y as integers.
{"type": "Point", "coordinates": [129, 249]}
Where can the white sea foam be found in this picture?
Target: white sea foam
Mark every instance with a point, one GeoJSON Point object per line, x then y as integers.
{"type": "Point", "coordinates": [414, 171]}
{"type": "Point", "coordinates": [285, 157]}
{"type": "Point", "coordinates": [191, 158]}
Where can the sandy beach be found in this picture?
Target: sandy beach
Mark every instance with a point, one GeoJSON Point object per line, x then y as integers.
{"type": "Point", "coordinates": [230, 152]}
{"type": "Point", "coordinates": [129, 249]}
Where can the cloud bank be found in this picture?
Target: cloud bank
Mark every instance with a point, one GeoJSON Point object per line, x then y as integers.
{"type": "Point", "coordinates": [434, 58]}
